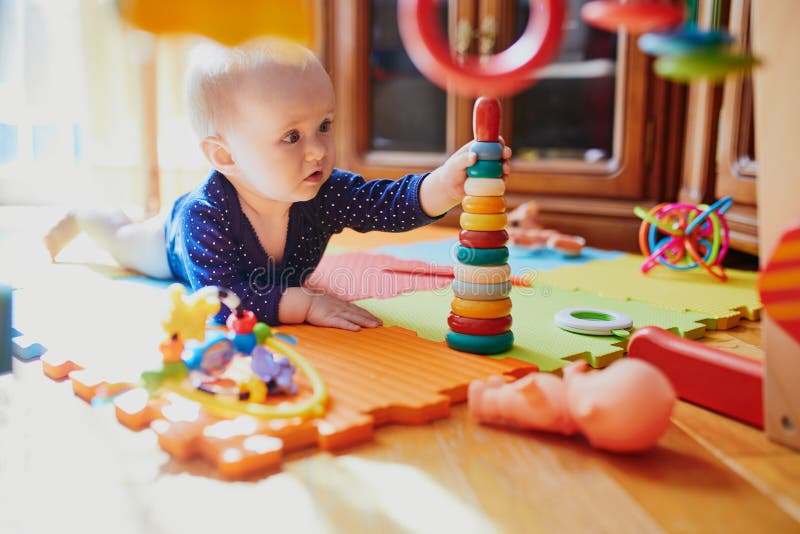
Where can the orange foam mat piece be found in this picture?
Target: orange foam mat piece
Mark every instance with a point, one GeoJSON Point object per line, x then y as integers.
{"type": "Point", "coordinates": [374, 377]}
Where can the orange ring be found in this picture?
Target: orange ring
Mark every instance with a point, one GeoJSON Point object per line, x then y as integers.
{"type": "Point", "coordinates": [481, 309]}
{"type": "Point", "coordinates": [473, 204]}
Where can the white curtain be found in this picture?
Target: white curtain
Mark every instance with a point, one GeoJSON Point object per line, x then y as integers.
{"type": "Point", "coordinates": [71, 106]}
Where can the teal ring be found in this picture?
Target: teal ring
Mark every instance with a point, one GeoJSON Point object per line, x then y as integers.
{"type": "Point", "coordinates": [487, 150]}
{"type": "Point", "coordinates": [472, 291]}
{"type": "Point", "coordinates": [482, 256]}
{"type": "Point", "coordinates": [486, 169]}
{"type": "Point", "coordinates": [480, 344]}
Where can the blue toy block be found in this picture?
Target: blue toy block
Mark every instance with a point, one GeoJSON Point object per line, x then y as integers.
{"type": "Point", "coordinates": [24, 352]}
{"type": "Point", "coordinates": [5, 329]}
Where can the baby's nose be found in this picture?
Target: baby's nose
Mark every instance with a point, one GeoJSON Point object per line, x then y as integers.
{"type": "Point", "coordinates": [315, 150]}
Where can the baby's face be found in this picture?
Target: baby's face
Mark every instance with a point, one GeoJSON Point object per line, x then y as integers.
{"type": "Point", "coordinates": [282, 133]}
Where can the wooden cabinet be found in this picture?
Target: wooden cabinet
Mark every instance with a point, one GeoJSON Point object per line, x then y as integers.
{"type": "Point", "coordinates": [597, 135]}
{"type": "Point", "coordinates": [720, 141]}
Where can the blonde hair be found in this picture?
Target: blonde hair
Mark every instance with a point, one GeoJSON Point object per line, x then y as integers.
{"type": "Point", "coordinates": [214, 71]}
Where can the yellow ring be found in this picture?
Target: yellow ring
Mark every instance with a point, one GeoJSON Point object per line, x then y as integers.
{"type": "Point", "coordinates": [473, 204]}
{"type": "Point", "coordinates": [314, 406]}
{"type": "Point", "coordinates": [482, 274]}
{"type": "Point", "coordinates": [482, 187]}
{"type": "Point", "coordinates": [482, 222]}
{"type": "Point", "coordinates": [481, 309]}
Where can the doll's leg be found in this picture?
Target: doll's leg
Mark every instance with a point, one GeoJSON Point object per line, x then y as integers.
{"type": "Point", "coordinates": [139, 246]}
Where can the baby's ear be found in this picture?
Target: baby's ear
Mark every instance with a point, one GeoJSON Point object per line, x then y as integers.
{"type": "Point", "coordinates": [218, 155]}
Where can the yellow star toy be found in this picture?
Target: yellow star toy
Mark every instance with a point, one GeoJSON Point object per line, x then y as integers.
{"type": "Point", "coordinates": [188, 314]}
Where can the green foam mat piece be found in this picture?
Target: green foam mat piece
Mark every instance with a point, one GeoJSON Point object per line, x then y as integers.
{"type": "Point", "coordinates": [537, 338]}
{"type": "Point", "coordinates": [621, 278]}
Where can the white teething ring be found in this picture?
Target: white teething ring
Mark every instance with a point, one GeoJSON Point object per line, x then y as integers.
{"type": "Point", "coordinates": [592, 321]}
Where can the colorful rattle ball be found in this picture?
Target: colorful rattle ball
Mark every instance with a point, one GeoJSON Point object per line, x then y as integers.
{"type": "Point", "coordinates": [682, 236]}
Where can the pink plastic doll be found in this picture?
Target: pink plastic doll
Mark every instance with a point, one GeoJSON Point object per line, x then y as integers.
{"type": "Point", "coordinates": [525, 231]}
{"type": "Point", "coordinates": [625, 408]}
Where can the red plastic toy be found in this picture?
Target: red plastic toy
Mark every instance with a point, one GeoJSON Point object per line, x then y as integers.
{"type": "Point", "coordinates": [502, 74]}
{"type": "Point", "coordinates": [721, 381]}
{"type": "Point", "coordinates": [636, 17]}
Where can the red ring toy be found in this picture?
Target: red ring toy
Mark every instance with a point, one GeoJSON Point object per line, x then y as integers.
{"type": "Point", "coordinates": [502, 74]}
{"type": "Point", "coordinates": [479, 327]}
{"type": "Point", "coordinates": [476, 239]}
{"type": "Point", "coordinates": [636, 17]}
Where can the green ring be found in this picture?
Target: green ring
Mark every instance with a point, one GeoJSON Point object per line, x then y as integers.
{"type": "Point", "coordinates": [482, 256]}
{"type": "Point", "coordinates": [486, 169]}
{"type": "Point", "coordinates": [480, 344]}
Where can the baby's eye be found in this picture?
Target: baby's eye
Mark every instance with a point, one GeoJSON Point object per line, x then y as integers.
{"type": "Point", "coordinates": [291, 137]}
{"type": "Point", "coordinates": [325, 126]}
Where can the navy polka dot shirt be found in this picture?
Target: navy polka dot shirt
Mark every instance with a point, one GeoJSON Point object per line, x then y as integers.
{"type": "Point", "coordinates": [210, 241]}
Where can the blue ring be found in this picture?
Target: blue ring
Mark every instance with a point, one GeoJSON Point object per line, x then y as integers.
{"type": "Point", "coordinates": [480, 344]}
{"type": "Point", "coordinates": [682, 41]}
{"type": "Point", "coordinates": [482, 256]}
{"type": "Point", "coordinates": [485, 168]}
{"type": "Point", "coordinates": [486, 150]}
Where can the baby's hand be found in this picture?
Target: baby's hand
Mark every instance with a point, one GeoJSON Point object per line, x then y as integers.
{"type": "Point", "coordinates": [330, 311]}
{"type": "Point", "coordinates": [444, 187]}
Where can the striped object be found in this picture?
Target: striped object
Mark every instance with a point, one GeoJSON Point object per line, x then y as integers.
{"type": "Point", "coordinates": [779, 283]}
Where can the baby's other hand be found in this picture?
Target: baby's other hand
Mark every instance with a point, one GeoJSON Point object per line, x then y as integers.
{"type": "Point", "coordinates": [330, 311]}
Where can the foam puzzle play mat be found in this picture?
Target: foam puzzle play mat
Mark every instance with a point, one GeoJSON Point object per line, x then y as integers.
{"type": "Point", "coordinates": [242, 395]}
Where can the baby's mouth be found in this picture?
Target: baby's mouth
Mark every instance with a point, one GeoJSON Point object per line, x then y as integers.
{"type": "Point", "coordinates": [314, 177]}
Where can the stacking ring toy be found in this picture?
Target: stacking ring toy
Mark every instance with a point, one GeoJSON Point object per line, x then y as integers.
{"type": "Point", "coordinates": [594, 322]}
{"type": "Point", "coordinates": [482, 256]}
{"type": "Point", "coordinates": [478, 187]}
{"type": "Point", "coordinates": [480, 344]}
{"type": "Point", "coordinates": [483, 222]}
{"type": "Point", "coordinates": [506, 73]}
{"type": "Point", "coordinates": [482, 274]}
{"type": "Point", "coordinates": [481, 309]}
{"type": "Point", "coordinates": [470, 291]}
{"type": "Point", "coordinates": [473, 204]}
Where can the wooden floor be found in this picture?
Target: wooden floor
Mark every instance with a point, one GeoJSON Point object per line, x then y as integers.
{"type": "Point", "coordinates": [69, 467]}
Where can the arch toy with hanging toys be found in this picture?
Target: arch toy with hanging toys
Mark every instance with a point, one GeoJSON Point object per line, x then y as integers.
{"type": "Point", "coordinates": [684, 51]}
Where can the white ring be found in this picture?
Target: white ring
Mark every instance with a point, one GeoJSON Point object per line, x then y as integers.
{"type": "Point", "coordinates": [596, 327]}
{"type": "Point", "coordinates": [482, 274]}
{"type": "Point", "coordinates": [484, 187]}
